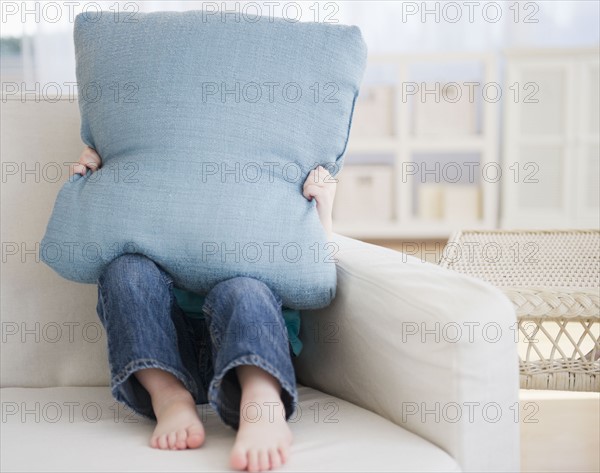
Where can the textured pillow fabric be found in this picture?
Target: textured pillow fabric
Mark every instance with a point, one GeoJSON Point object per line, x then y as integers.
{"type": "Point", "coordinates": [207, 130]}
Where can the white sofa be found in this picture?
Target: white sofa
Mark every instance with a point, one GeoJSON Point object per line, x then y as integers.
{"type": "Point", "coordinates": [382, 388]}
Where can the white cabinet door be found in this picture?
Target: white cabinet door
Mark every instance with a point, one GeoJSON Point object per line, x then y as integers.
{"type": "Point", "coordinates": [588, 151]}
{"type": "Point", "coordinates": [551, 141]}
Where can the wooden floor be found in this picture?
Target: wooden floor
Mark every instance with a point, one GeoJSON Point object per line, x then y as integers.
{"type": "Point", "coordinates": [566, 436]}
{"type": "Point", "coordinates": [427, 250]}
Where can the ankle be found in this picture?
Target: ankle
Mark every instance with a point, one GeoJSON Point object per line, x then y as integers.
{"type": "Point", "coordinates": [261, 391]}
{"type": "Point", "coordinates": [168, 396]}
{"type": "Point", "coordinates": [262, 400]}
{"type": "Point", "coordinates": [157, 381]}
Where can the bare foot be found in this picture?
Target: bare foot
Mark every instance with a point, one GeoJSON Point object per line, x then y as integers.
{"type": "Point", "coordinates": [264, 438]}
{"type": "Point", "coordinates": [179, 426]}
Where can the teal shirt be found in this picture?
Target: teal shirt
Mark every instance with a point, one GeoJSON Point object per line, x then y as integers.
{"type": "Point", "coordinates": [191, 303]}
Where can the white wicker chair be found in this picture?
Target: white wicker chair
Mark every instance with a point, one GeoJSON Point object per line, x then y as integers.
{"type": "Point", "coordinates": [552, 278]}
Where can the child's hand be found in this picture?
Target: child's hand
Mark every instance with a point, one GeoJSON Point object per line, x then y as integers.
{"type": "Point", "coordinates": [89, 159]}
{"type": "Point", "coordinates": [321, 185]}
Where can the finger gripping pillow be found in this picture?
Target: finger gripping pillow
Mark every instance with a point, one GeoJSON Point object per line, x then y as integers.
{"type": "Point", "coordinates": [207, 128]}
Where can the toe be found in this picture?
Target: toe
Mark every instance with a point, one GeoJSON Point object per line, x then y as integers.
{"type": "Point", "coordinates": [252, 460]}
{"type": "Point", "coordinates": [274, 458]}
{"type": "Point", "coordinates": [263, 460]}
{"type": "Point", "coordinates": [171, 440]}
{"type": "Point", "coordinates": [239, 459]}
{"type": "Point", "coordinates": [283, 453]}
{"type": "Point", "coordinates": [154, 441]}
{"type": "Point", "coordinates": [180, 441]}
{"type": "Point", "coordinates": [162, 442]}
{"type": "Point", "coordinates": [195, 436]}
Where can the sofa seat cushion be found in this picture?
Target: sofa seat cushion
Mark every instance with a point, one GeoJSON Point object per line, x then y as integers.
{"type": "Point", "coordinates": [83, 429]}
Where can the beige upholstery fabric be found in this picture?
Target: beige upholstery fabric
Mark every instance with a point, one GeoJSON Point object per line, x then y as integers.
{"type": "Point", "coordinates": [431, 349]}
{"type": "Point", "coordinates": [357, 354]}
{"type": "Point", "coordinates": [329, 435]}
{"type": "Point", "coordinates": [45, 319]}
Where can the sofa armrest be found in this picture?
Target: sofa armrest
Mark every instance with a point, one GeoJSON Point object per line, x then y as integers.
{"type": "Point", "coordinates": [432, 350]}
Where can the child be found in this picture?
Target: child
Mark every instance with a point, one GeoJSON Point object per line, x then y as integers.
{"type": "Point", "coordinates": [178, 361]}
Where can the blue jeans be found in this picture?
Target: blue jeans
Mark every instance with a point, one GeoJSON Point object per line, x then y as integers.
{"type": "Point", "coordinates": [145, 328]}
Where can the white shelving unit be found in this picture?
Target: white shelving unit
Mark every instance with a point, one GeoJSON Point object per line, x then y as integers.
{"type": "Point", "coordinates": [557, 137]}
{"type": "Point", "coordinates": [405, 144]}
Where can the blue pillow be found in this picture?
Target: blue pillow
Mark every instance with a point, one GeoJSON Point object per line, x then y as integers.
{"type": "Point", "coordinates": [207, 128]}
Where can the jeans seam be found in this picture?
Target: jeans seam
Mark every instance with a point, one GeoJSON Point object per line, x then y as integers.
{"type": "Point", "coordinates": [166, 278]}
{"type": "Point", "coordinates": [213, 332]}
{"type": "Point", "coordinates": [101, 291]}
{"type": "Point", "coordinates": [207, 308]}
{"type": "Point", "coordinates": [277, 298]}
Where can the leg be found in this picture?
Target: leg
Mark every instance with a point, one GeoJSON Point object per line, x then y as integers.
{"type": "Point", "coordinates": [178, 426]}
{"type": "Point", "coordinates": [263, 438]}
{"type": "Point", "coordinates": [153, 350]}
{"type": "Point", "coordinates": [254, 388]}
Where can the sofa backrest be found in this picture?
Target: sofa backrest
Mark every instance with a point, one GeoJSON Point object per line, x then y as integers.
{"type": "Point", "coordinates": [50, 333]}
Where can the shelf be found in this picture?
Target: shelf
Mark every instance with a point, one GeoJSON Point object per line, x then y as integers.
{"type": "Point", "coordinates": [443, 57]}
{"type": "Point", "coordinates": [399, 144]}
{"type": "Point", "coordinates": [443, 143]}
{"type": "Point", "coordinates": [549, 53]}
{"type": "Point", "coordinates": [415, 230]}
{"type": "Point", "coordinates": [433, 143]}
{"type": "Point", "coordinates": [541, 140]}
{"type": "Point", "coordinates": [373, 145]}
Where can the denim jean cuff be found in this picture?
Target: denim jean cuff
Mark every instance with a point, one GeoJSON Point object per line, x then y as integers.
{"type": "Point", "coordinates": [230, 414]}
{"type": "Point", "coordinates": [124, 375]}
